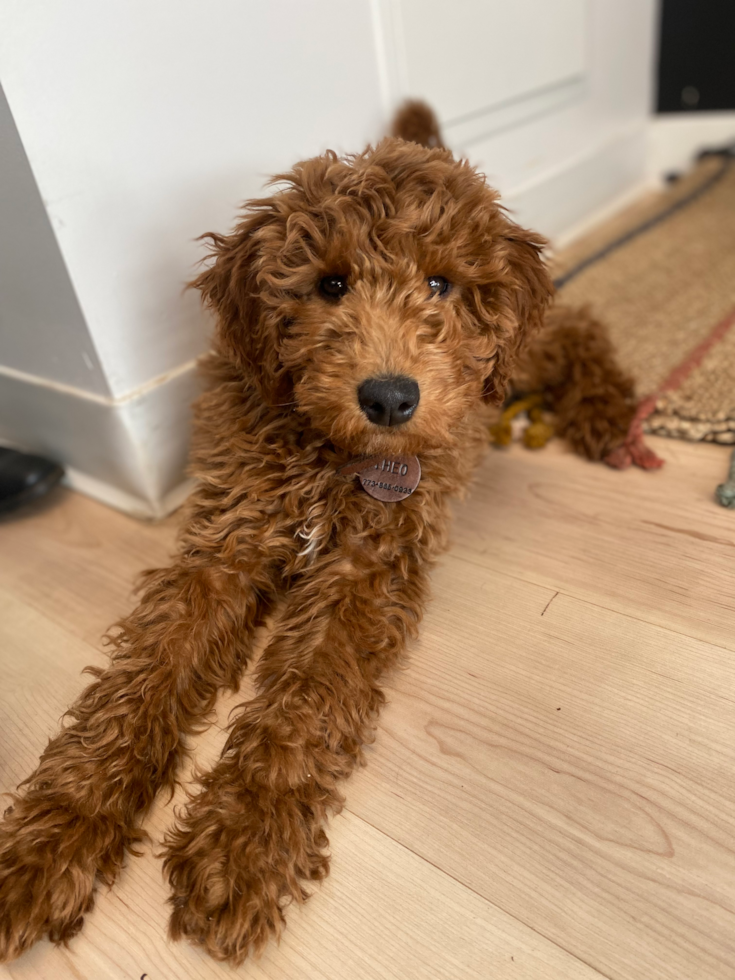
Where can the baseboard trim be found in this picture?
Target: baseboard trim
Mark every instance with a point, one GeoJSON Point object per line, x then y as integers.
{"type": "Point", "coordinates": [674, 139]}
{"type": "Point", "coordinates": [561, 201]}
{"type": "Point", "coordinates": [607, 211]}
{"type": "Point", "coordinates": [74, 392]}
{"type": "Point", "coordinates": [131, 454]}
{"type": "Point", "coordinates": [136, 506]}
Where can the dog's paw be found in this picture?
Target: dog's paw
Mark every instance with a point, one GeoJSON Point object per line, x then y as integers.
{"type": "Point", "coordinates": [50, 859]}
{"type": "Point", "coordinates": [235, 863]}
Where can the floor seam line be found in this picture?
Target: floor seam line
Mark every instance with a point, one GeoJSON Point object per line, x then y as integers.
{"type": "Point", "coordinates": [570, 594]}
{"type": "Point", "coordinates": [479, 895]}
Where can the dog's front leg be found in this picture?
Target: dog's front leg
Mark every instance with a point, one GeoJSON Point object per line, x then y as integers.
{"type": "Point", "coordinates": [254, 835]}
{"type": "Point", "coordinates": [80, 809]}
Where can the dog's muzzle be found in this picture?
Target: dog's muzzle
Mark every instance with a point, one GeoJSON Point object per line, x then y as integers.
{"type": "Point", "coordinates": [389, 401]}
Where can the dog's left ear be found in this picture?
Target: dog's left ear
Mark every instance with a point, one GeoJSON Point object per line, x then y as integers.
{"type": "Point", "coordinates": [516, 304]}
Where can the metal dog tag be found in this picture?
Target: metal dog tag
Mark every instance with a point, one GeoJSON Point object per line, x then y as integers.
{"type": "Point", "coordinates": [388, 478]}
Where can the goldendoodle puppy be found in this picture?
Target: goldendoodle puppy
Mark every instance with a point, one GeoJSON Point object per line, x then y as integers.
{"type": "Point", "coordinates": [369, 315]}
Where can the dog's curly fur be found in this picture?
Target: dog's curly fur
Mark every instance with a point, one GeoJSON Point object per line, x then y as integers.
{"type": "Point", "coordinates": [273, 520]}
{"type": "Point", "coordinates": [573, 362]}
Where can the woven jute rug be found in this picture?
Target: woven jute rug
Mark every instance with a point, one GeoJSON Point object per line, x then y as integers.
{"type": "Point", "coordinates": [668, 299]}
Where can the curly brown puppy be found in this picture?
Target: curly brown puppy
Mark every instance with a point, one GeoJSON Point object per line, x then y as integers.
{"type": "Point", "coordinates": [372, 307]}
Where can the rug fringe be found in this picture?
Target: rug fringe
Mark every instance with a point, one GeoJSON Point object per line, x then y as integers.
{"type": "Point", "coordinates": [634, 449]}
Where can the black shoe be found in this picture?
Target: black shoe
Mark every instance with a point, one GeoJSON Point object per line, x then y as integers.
{"type": "Point", "coordinates": [24, 478]}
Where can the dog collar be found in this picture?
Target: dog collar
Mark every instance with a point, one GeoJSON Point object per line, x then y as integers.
{"type": "Point", "coordinates": [387, 478]}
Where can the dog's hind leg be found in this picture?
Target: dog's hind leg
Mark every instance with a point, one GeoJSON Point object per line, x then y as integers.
{"type": "Point", "coordinates": [80, 810]}
{"type": "Point", "coordinates": [573, 362]}
{"type": "Point", "coordinates": [255, 836]}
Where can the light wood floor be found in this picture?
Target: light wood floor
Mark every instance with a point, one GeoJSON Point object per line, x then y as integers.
{"type": "Point", "coordinates": [551, 792]}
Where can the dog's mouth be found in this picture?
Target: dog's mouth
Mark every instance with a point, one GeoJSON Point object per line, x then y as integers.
{"type": "Point", "coordinates": [377, 439]}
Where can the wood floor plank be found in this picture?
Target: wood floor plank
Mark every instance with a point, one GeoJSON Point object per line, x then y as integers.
{"type": "Point", "coordinates": [572, 765]}
{"type": "Point", "coordinates": [651, 544]}
{"type": "Point", "coordinates": [76, 560]}
{"type": "Point", "coordinates": [41, 668]}
{"type": "Point", "coordinates": [550, 794]}
{"type": "Point", "coordinates": [383, 913]}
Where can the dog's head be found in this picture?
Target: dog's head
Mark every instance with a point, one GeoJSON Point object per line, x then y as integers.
{"type": "Point", "coordinates": [383, 295]}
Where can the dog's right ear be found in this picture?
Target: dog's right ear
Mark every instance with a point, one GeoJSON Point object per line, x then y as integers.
{"type": "Point", "coordinates": [246, 327]}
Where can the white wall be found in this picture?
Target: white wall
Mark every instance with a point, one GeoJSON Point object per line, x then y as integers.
{"type": "Point", "coordinates": [147, 121]}
{"type": "Point", "coordinates": [36, 297]}
{"type": "Point", "coordinates": [564, 168]}
{"type": "Point", "coordinates": [557, 93]}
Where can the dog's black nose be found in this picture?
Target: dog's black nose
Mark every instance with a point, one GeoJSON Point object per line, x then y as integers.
{"type": "Point", "coordinates": [388, 401]}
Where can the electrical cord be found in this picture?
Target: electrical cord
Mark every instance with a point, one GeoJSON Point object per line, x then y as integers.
{"type": "Point", "coordinates": [727, 155]}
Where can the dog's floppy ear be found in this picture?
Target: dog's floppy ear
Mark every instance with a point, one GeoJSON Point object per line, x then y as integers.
{"type": "Point", "coordinates": [515, 303]}
{"type": "Point", "coordinates": [247, 328]}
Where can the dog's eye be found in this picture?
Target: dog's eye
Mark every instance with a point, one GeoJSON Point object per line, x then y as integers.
{"type": "Point", "coordinates": [438, 285]}
{"type": "Point", "coordinates": [333, 287]}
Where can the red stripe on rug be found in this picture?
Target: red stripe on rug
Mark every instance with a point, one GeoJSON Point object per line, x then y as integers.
{"type": "Point", "coordinates": [634, 449]}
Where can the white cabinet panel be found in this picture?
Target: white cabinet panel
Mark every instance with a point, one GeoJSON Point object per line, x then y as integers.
{"type": "Point", "coordinates": [485, 64]}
